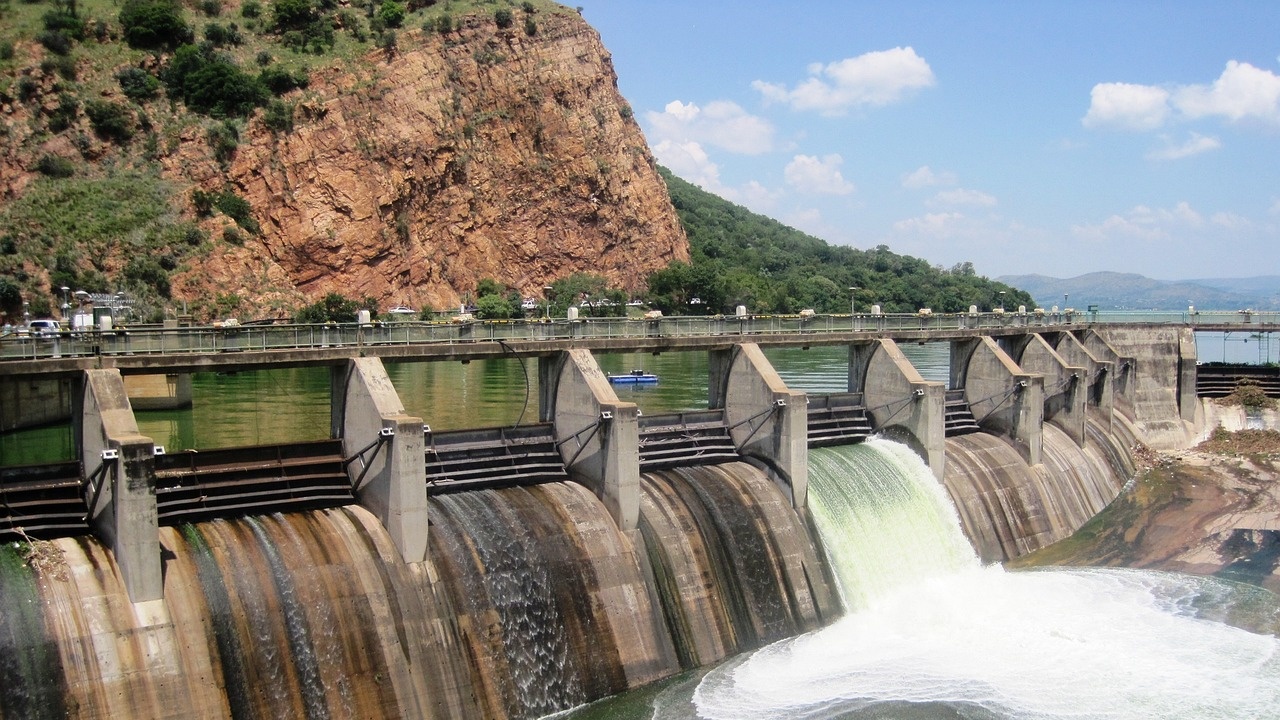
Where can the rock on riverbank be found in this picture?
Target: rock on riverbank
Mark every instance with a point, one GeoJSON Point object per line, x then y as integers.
{"type": "Point", "coordinates": [1210, 510]}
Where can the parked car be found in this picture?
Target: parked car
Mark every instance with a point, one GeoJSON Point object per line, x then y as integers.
{"type": "Point", "coordinates": [43, 327]}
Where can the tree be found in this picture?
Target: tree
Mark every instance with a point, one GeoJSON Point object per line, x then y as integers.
{"type": "Point", "coordinates": [493, 307]}
{"type": "Point", "coordinates": [10, 297]}
{"type": "Point", "coordinates": [392, 13]}
{"type": "Point", "coordinates": [154, 24]}
{"type": "Point", "coordinates": [333, 307]}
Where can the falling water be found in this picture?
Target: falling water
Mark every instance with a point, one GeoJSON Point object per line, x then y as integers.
{"type": "Point", "coordinates": [931, 633]}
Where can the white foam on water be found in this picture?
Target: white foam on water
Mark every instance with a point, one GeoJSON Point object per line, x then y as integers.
{"type": "Point", "coordinates": [1039, 645]}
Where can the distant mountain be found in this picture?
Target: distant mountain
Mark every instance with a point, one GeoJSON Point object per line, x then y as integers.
{"type": "Point", "coordinates": [1128, 291]}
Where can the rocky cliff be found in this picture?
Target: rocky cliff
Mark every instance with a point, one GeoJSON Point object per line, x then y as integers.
{"type": "Point", "coordinates": [409, 175]}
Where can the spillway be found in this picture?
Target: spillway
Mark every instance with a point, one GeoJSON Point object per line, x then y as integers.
{"type": "Point", "coordinates": [531, 601]}
{"type": "Point", "coordinates": [933, 633]}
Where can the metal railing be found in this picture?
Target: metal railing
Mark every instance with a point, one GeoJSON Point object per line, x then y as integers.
{"type": "Point", "coordinates": [152, 340]}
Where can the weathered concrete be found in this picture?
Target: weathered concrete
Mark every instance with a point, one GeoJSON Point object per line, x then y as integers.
{"type": "Point", "coordinates": [901, 404]}
{"type": "Point", "coordinates": [1122, 378]}
{"type": "Point", "coordinates": [123, 511]}
{"type": "Point", "coordinates": [598, 435]}
{"type": "Point", "coordinates": [1064, 401]}
{"type": "Point", "coordinates": [767, 420]}
{"type": "Point", "coordinates": [1188, 402]}
{"type": "Point", "coordinates": [1156, 408]}
{"type": "Point", "coordinates": [159, 392]}
{"type": "Point", "coordinates": [393, 474]}
{"type": "Point", "coordinates": [1099, 396]}
{"type": "Point", "coordinates": [33, 401]}
{"type": "Point", "coordinates": [1005, 399]}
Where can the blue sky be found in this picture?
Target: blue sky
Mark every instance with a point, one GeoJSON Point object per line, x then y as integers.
{"type": "Point", "coordinates": [1026, 137]}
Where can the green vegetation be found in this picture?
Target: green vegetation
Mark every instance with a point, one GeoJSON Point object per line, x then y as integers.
{"type": "Point", "coordinates": [154, 24]}
{"type": "Point", "coordinates": [741, 258]}
{"type": "Point", "coordinates": [80, 232]}
{"type": "Point", "coordinates": [333, 307]}
{"type": "Point", "coordinates": [116, 79]}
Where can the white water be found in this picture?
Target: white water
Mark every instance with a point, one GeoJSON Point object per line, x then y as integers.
{"type": "Point", "coordinates": [932, 634]}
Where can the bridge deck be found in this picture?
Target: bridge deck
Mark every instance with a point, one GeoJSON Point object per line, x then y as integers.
{"type": "Point", "coordinates": [183, 350]}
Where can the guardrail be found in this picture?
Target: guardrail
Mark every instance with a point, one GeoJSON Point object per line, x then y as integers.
{"type": "Point", "coordinates": [151, 340]}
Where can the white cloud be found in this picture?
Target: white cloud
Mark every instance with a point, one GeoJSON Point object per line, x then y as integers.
{"type": "Point", "coordinates": [752, 195]}
{"type": "Point", "coordinates": [1127, 106]}
{"type": "Point", "coordinates": [721, 123]}
{"type": "Point", "coordinates": [924, 176]}
{"type": "Point", "coordinates": [873, 79]}
{"type": "Point", "coordinates": [933, 225]}
{"type": "Point", "coordinates": [1241, 92]}
{"type": "Point", "coordinates": [821, 176]}
{"type": "Point", "coordinates": [689, 161]}
{"type": "Point", "coordinates": [960, 196]}
{"type": "Point", "coordinates": [1194, 145]}
{"type": "Point", "coordinates": [1231, 221]}
{"type": "Point", "coordinates": [1142, 223]}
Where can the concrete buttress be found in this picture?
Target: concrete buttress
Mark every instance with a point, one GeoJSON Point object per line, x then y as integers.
{"type": "Point", "coordinates": [598, 435]}
{"type": "Point", "coordinates": [766, 420]}
{"type": "Point", "coordinates": [392, 472]}
{"type": "Point", "coordinates": [121, 463]}
{"type": "Point", "coordinates": [900, 403]}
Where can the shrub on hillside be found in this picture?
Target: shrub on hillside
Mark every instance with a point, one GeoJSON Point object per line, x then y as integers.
{"type": "Point", "coordinates": [238, 209]}
{"type": "Point", "coordinates": [111, 121]}
{"type": "Point", "coordinates": [292, 14]}
{"type": "Point", "coordinates": [64, 115]}
{"type": "Point", "coordinates": [148, 271]}
{"type": "Point", "coordinates": [503, 18]}
{"type": "Point", "coordinates": [391, 13]}
{"type": "Point", "coordinates": [211, 84]}
{"type": "Point", "coordinates": [223, 139]}
{"type": "Point", "coordinates": [138, 84]}
{"type": "Point", "coordinates": [278, 117]}
{"type": "Point", "coordinates": [154, 24]}
{"type": "Point", "coordinates": [280, 81]}
{"type": "Point", "coordinates": [55, 166]}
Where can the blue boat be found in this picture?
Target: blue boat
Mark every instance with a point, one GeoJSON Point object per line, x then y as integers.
{"type": "Point", "coordinates": [634, 377]}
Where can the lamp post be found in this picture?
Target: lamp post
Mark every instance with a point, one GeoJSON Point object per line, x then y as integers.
{"type": "Point", "coordinates": [853, 307]}
{"type": "Point", "coordinates": [1002, 301]}
{"type": "Point", "coordinates": [66, 304]}
{"type": "Point", "coordinates": [546, 294]}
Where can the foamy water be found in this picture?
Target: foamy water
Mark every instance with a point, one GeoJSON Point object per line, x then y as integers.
{"type": "Point", "coordinates": [932, 634]}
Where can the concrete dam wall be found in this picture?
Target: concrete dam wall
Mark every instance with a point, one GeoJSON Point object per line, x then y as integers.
{"type": "Point", "coordinates": [532, 599]}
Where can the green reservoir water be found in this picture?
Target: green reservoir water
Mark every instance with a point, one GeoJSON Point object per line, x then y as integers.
{"type": "Point", "coordinates": [292, 404]}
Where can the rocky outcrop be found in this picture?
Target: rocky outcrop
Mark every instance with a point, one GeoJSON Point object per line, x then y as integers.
{"type": "Point", "coordinates": [409, 176]}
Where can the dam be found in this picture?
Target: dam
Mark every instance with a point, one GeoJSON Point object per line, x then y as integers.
{"type": "Point", "coordinates": [634, 548]}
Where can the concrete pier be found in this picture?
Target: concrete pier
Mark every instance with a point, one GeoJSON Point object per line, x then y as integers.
{"type": "Point", "coordinates": [121, 464]}
{"type": "Point", "coordinates": [1005, 399]}
{"type": "Point", "coordinates": [901, 403]}
{"type": "Point", "coordinates": [391, 477]}
{"type": "Point", "coordinates": [598, 435]}
{"type": "Point", "coordinates": [1064, 385]}
{"type": "Point", "coordinates": [767, 420]}
{"type": "Point", "coordinates": [1098, 373]}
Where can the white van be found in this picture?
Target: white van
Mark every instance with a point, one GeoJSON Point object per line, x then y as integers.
{"type": "Point", "coordinates": [44, 327]}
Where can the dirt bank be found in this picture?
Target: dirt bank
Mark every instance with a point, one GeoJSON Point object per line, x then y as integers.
{"type": "Point", "coordinates": [1211, 510]}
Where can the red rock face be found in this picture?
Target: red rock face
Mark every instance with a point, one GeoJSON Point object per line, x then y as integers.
{"type": "Point", "coordinates": [484, 153]}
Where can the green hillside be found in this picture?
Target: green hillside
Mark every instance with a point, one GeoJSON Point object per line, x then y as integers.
{"type": "Point", "coordinates": [741, 258]}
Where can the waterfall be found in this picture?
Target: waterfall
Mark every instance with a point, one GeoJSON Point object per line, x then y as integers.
{"type": "Point", "coordinates": [933, 633]}
{"type": "Point", "coordinates": [879, 514]}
